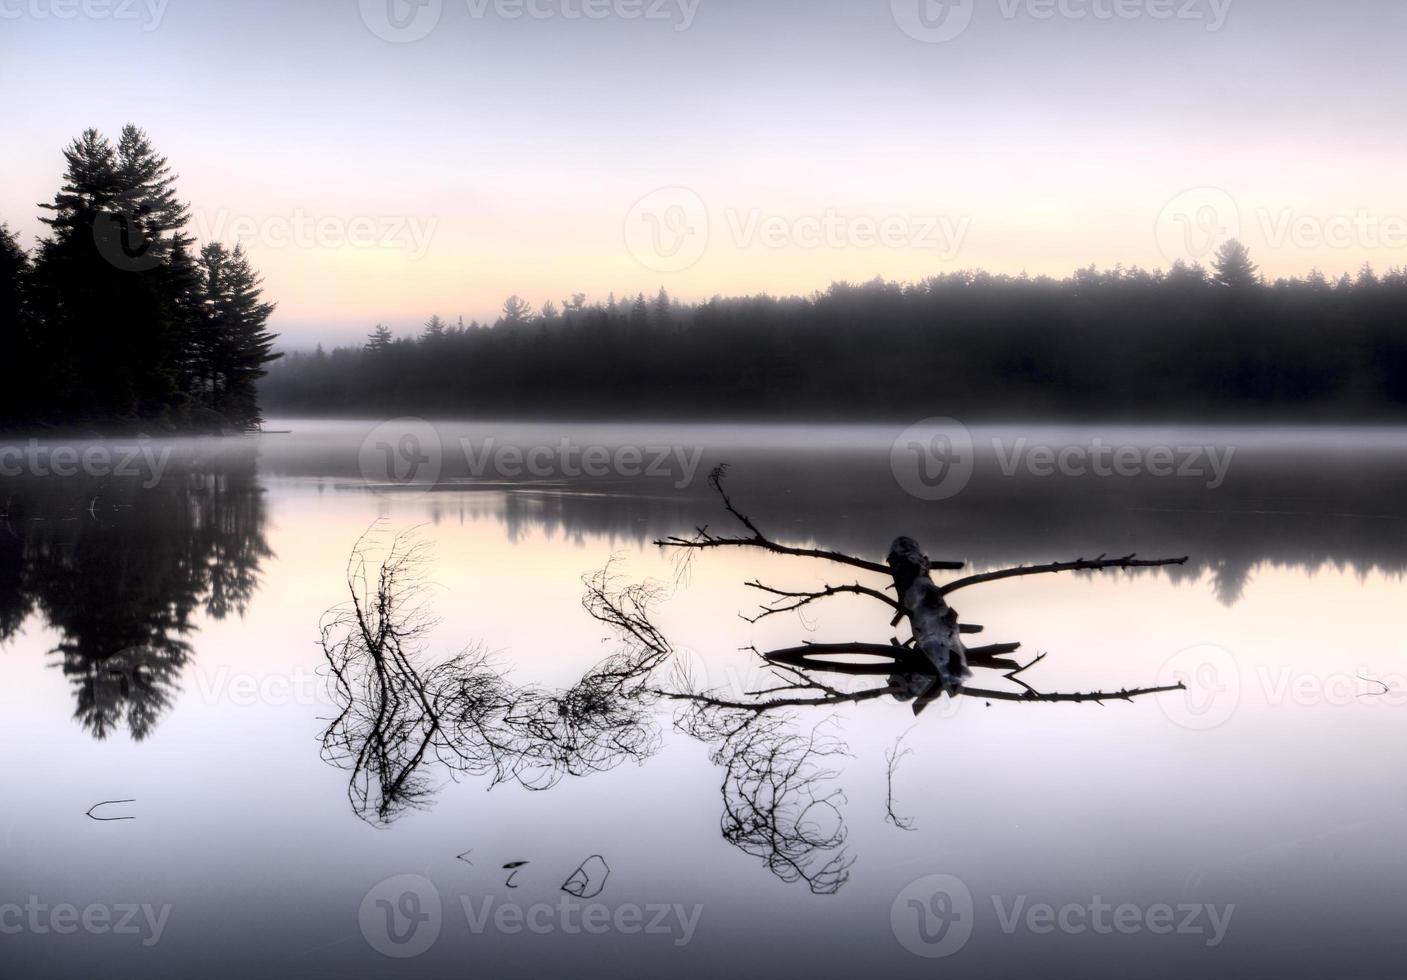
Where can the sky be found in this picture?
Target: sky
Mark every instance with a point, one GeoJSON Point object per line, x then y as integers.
{"type": "Point", "coordinates": [385, 160]}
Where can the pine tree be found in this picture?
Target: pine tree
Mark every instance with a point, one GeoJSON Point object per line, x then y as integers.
{"type": "Point", "coordinates": [434, 329]}
{"type": "Point", "coordinates": [379, 340]}
{"type": "Point", "coordinates": [516, 311]}
{"type": "Point", "coordinates": [661, 311]}
{"type": "Point", "coordinates": [236, 325]}
{"type": "Point", "coordinates": [146, 196]}
{"type": "Point", "coordinates": [16, 329]}
{"type": "Point", "coordinates": [1233, 267]}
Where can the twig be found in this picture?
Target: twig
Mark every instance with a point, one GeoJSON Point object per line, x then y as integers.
{"type": "Point", "coordinates": [90, 816]}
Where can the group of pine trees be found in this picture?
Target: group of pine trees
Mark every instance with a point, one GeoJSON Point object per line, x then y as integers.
{"type": "Point", "coordinates": [1188, 343]}
{"type": "Point", "coordinates": [116, 318]}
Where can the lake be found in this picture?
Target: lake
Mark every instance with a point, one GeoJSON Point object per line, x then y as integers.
{"type": "Point", "coordinates": [162, 608]}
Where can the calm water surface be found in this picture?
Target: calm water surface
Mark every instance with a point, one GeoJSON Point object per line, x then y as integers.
{"type": "Point", "coordinates": [161, 646]}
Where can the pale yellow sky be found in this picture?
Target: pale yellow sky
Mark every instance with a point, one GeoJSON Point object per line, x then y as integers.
{"type": "Point", "coordinates": [754, 149]}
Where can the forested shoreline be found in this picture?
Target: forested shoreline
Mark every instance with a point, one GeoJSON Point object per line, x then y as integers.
{"type": "Point", "coordinates": [119, 319]}
{"type": "Point", "coordinates": [1188, 344]}
{"type": "Point", "coordinates": [116, 320]}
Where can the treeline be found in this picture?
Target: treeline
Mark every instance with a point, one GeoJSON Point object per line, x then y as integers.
{"type": "Point", "coordinates": [116, 318]}
{"type": "Point", "coordinates": [1188, 343]}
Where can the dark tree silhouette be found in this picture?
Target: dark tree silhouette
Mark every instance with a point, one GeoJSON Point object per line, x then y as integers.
{"type": "Point", "coordinates": [235, 321]}
{"type": "Point", "coordinates": [17, 337]}
{"type": "Point", "coordinates": [1127, 344]}
{"type": "Point", "coordinates": [124, 325]}
{"type": "Point", "coordinates": [1233, 266]}
{"type": "Point", "coordinates": [379, 340]}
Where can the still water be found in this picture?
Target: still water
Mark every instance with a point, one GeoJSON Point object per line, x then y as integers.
{"type": "Point", "coordinates": [161, 645]}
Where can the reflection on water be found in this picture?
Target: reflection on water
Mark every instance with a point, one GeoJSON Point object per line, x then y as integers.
{"type": "Point", "coordinates": [400, 717]}
{"type": "Point", "coordinates": [1303, 499]}
{"type": "Point", "coordinates": [118, 568]}
{"type": "Point", "coordinates": [1275, 799]}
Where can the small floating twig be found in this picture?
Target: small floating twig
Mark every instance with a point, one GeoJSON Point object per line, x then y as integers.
{"type": "Point", "coordinates": [90, 816]}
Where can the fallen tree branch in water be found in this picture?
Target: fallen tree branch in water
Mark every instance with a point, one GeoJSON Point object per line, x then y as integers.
{"type": "Point", "coordinates": [703, 538]}
{"type": "Point", "coordinates": [1078, 565]}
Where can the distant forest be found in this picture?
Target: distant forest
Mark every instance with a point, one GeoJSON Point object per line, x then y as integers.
{"type": "Point", "coordinates": [116, 320]}
{"type": "Point", "coordinates": [1191, 343]}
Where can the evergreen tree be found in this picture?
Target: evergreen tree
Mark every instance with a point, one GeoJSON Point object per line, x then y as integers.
{"type": "Point", "coordinates": [379, 340]}
{"type": "Point", "coordinates": [1233, 267]}
{"type": "Point", "coordinates": [236, 325]}
{"type": "Point", "coordinates": [661, 311]}
{"type": "Point", "coordinates": [16, 328]}
{"type": "Point", "coordinates": [516, 311]}
{"type": "Point", "coordinates": [123, 324]}
{"type": "Point", "coordinates": [434, 329]}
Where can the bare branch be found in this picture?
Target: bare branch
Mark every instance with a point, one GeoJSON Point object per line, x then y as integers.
{"type": "Point", "coordinates": [1078, 565]}
{"type": "Point", "coordinates": [803, 599]}
{"type": "Point", "coordinates": [703, 538]}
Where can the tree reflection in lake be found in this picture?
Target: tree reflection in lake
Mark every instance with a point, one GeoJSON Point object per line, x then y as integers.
{"type": "Point", "coordinates": [398, 713]}
{"type": "Point", "coordinates": [119, 566]}
{"type": "Point", "coordinates": [402, 717]}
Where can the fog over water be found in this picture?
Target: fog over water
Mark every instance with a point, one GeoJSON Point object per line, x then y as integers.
{"type": "Point", "coordinates": [184, 617]}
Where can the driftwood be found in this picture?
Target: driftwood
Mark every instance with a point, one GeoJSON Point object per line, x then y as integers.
{"type": "Point", "coordinates": [934, 661]}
